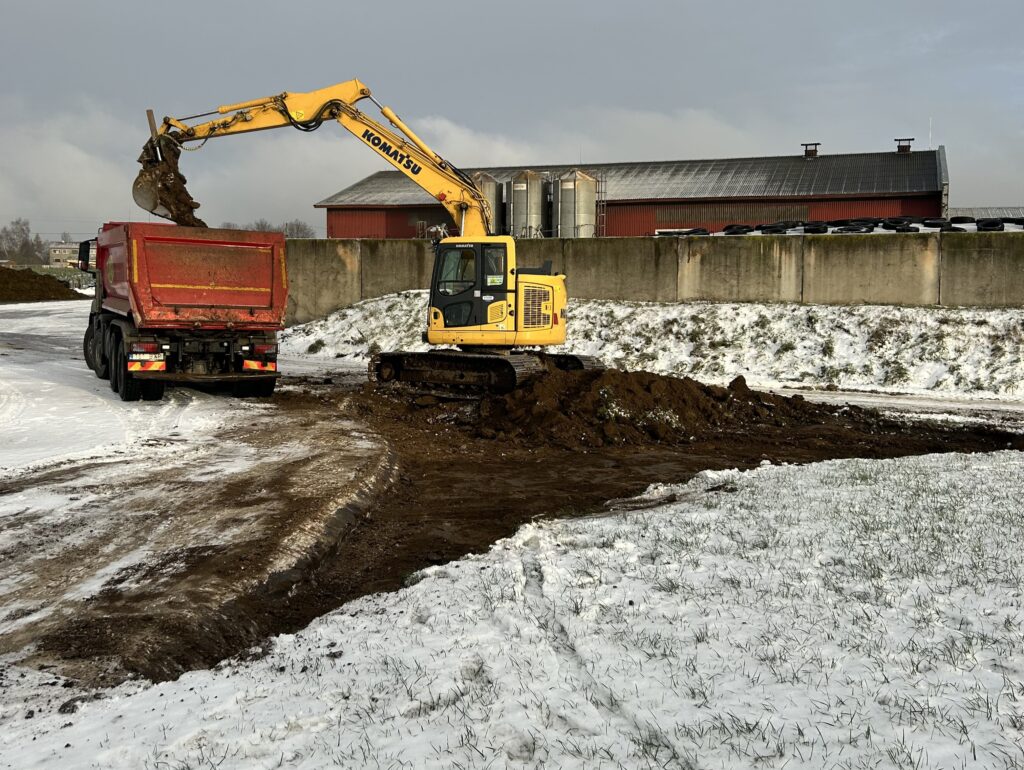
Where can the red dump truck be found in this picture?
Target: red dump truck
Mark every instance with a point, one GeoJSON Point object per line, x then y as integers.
{"type": "Point", "coordinates": [186, 305]}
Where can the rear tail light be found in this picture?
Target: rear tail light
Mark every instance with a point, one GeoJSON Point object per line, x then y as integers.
{"type": "Point", "coordinates": [145, 347]}
{"type": "Point", "coordinates": [264, 350]}
{"type": "Point", "coordinates": [554, 318]}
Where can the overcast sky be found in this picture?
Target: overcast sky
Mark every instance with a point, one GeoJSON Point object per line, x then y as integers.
{"type": "Point", "coordinates": [490, 83]}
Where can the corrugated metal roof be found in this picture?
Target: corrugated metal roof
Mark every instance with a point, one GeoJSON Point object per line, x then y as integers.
{"type": "Point", "coordinates": [986, 212]}
{"type": "Point", "coordinates": [869, 173]}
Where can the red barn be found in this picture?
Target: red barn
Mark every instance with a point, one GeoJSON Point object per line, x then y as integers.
{"type": "Point", "coordinates": [640, 198]}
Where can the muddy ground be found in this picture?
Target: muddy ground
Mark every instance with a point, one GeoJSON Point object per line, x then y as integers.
{"type": "Point", "coordinates": [27, 286]}
{"type": "Point", "coordinates": [467, 472]}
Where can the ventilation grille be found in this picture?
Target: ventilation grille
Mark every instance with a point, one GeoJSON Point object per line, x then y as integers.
{"type": "Point", "coordinates": [534, 316]}
{"type": "Point", "coordinates": [496, 312]}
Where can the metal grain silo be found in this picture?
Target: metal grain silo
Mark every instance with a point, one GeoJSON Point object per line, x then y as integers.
{"type": "Point", "coordinates": [492, 191]}
{"type": "Point", "coordinates": [574, 205]}
{"type": "Point", "coordinates": [525, 204]}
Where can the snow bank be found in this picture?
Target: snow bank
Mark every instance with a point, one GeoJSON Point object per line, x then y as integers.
{"type": "Point", "coordinates": [846, 614]}
{"type": "Point", "coordinates": [899, 349]}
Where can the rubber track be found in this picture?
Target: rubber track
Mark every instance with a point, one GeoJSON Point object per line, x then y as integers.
{"type": "Point", "coordinates": [458, 372]}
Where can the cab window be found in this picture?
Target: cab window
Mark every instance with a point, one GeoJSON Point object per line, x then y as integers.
{"type": "Point", "coordinates": [494, 267]}
{"type": "Point", "coordinates": [458, 271]}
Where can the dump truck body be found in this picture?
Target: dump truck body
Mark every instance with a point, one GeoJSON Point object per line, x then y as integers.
{"type": "Point", "coordinates": [184, 304]}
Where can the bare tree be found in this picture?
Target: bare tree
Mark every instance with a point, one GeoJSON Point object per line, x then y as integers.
{"type": "Point", "coordinates": [263, 226]}
{"type": "Point", "coordinates": [296, 228]}
{"type": "Point", "coordinates": [18, 245]}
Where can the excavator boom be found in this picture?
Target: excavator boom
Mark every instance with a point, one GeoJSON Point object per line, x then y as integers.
{"type": "Point", "coordinates": [160, 187]}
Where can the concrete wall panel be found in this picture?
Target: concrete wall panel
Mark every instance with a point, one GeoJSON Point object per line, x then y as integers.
{"type": "Point", "coordinates": [984, 269]}
{"type": "Point", "coordinates": [766, 268]}
{"type": "Point", "coordinates": [897, 269]}
{"type": "Point", "coordinates": [390, 266]}
{"type": "Point", "coordinates": [642, 269]}
{"type": "Point", "coordinates": [323, 276]}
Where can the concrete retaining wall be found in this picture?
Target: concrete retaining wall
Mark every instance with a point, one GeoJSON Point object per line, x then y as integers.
{"type": "Point", "coordinates": [323, 275]}
{"type": "Point", "coordinates": [738, 269]}
{"type": "Point", "coordinates": [974, 269]}
{"type": "Point", "coordinates": [984, 269]}
{"type": "Point", "coordinates": [902, 269]}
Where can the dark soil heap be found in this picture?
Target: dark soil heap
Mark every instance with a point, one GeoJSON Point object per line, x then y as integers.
{"type": "Point", "coordinates": [607, 407]}
{"type": "Point", "coordinates": [27, 286]}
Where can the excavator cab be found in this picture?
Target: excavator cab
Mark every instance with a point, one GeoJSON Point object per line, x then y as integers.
{"type": "Point", "coordinates": [495, 311]}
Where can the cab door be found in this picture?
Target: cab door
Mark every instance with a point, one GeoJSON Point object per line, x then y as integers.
{"type": "Point", "coordinates": [456, 288]}
{"type": "Point", "coordinates": [495, 300]}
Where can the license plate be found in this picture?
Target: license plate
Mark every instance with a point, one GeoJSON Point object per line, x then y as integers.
{"type": "Point", "coordinates": [145, 356]}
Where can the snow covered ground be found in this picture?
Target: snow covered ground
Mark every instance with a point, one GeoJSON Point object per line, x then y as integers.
{"type": "Point", "coordinates": [849, 614]}
{"type": "Point", "coordinates": [97, 495]}
{"type": "Point", "coordinates": [54, 409]}
{"type": "Point", "coordinates": [940, 351]}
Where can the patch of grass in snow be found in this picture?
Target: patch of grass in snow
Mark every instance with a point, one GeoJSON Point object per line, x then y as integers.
{"type": "Point", "coordinates": [895, 373]}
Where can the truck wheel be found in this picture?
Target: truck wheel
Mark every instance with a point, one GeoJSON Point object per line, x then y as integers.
{"type": "Point", "coordinates": [152, 390]}
{"type": "Point", "coordinates": [87, 347]}
{"type": "Point", "coordinates": [93, 353]}
{"type": "Point", "coordinates": [128, 388]}
{"type": "Point", "coordinates": [115, 363]}
{"type": "Point", "coordinates": [100, 365]}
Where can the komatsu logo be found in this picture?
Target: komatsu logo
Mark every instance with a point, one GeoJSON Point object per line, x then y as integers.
{"type": "Point", "coordinates": [399, 157]}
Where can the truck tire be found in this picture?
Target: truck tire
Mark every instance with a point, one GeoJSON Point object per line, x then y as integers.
{"type": "Point", "coordinates": [128, 388]}
{"type": "Point", "coordinates": [152, 390]}
{"type": "Point", "coordinates": [93, 351]}
{"type": "Point", "coordinates": [115, 371]}
{"type": "Point", "coordinates": [87, 347]}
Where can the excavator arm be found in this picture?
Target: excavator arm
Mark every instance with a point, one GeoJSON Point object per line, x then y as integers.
{"type": "Point", "coordinates": [161, 189]}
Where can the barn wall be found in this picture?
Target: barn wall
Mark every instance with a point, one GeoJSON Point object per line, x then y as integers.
{"type": "Point", "coordinates": [641, 218]}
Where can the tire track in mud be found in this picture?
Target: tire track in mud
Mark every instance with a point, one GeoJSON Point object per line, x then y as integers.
{"type": "Point", "coordinates": [165, 563]}
{"type": "Point", "coordinates": [263, 532]}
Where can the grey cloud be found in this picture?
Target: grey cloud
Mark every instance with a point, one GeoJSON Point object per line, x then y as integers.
{"type": "Point", "coordinates": [533, 82]}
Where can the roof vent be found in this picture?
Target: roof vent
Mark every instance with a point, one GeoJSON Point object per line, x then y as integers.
{"type": "Point", "coordinates": [903, 145]}
{"type": "Point", "coordinates": [810, 149]}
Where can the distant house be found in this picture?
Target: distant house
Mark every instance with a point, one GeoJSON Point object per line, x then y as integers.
{"type": "Point", "coordinates": [63, 254]}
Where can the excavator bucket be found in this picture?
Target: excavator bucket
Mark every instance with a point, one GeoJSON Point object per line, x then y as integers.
{"type": "Point", "coordinates": [160, 188]}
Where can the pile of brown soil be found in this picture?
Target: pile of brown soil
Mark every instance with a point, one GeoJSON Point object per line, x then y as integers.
{"type": "Point", "coordinates": [573, 410]}
{"type": "Point", "coordinates": [27, 286]}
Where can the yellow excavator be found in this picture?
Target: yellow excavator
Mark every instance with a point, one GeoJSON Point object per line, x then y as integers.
{"type": "Point", "coordinates": [491, 312]}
